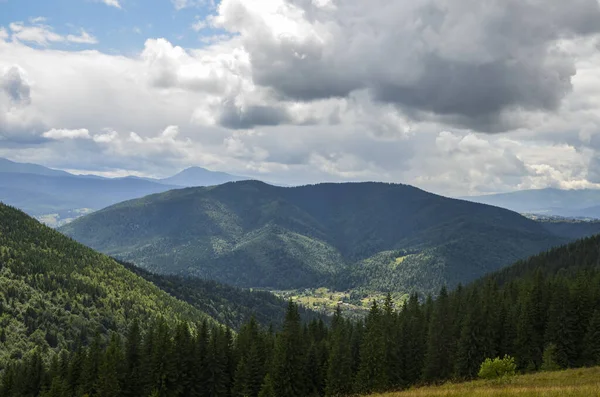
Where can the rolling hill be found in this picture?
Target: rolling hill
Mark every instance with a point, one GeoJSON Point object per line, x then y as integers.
{"type": "Point", "coordinates": [357, 235]}
{"type": "Point", "coordinates": [55, 292]}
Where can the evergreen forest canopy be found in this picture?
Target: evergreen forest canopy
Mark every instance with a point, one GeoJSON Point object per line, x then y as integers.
{"type": "Point", "coordinates": [373, 236]}
{"type": "Point", "coordinates": [56, 294]}
{"type": "Point", "coordinates": [543, 312]}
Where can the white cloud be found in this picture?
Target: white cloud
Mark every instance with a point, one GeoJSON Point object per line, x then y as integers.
{"type": "Point", "coordinates": [81, 133]}
{"type": "Point", "coordinates": [83, 38]}
{"type": "Point", "coordinates": [44, 35]}
{"type": "Point", "coordinates": [294, 92]}
{"type": "Point", "coordinates": [38, 34]}
{"type": "Point", "coordinates": [106, 137]}
{"type": "Point", "coordinates": [112, 3]}
{"type": "Point", "coordinates": [181, 4]}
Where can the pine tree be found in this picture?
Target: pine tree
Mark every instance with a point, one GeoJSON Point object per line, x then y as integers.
{"type": "Point", "coordinates": [111, 369]}
{"type": "Point", "coordinates": [592, 340]}
{"type": "Point", "coordinates": [339, 370]}
{"type": "Point", "coordinates": [267, 389]}
{"type": "Point", "coordinates": [471, 350]}
{"type": "Point", "coordinates": [438, 360]}
{"type": "Point", "coordinates": [289, 357]}
{"type": "Point", "coordinates": [372, 374]}
{"type": "Point", "coordinates": [133, 362]}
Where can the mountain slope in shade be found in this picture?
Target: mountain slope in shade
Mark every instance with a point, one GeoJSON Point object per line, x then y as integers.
{"type": "Point", "coordinates": [568, 203]}
{"type": "Point", "coordinates": [55, 292]}
{"type": "Point", "coordinates": [351, 235]}
{"type": "Point", "coordinates": [197, 176]}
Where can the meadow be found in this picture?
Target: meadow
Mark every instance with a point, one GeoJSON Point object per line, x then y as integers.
{"type": "Point", "coordinates": [584, 382]}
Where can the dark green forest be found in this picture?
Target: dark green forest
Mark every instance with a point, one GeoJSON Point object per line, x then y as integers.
{"type": "Point", "coordinates": [339, 236]}
{"type": "Point", "coordinates": [56, 293]}
{"type": "Point", "coordinates": [543, 311]}
{"type": "Point", "coordinates": [228, 305]}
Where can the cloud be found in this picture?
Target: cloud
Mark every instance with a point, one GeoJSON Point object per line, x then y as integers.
{"type": "Point", "coordinates": [83, 38]}
{"type": "Point", "coordinates": [181, 4]}
{"type": "Point", "coordinates": [112, 3]}
{"type": "Point", "coordinates": [15, 84]}
{"type": "Point", "coordinates": [67, 134]}
{"type": "Point", "coordinates": [44, 35]}
{"type": "Point", "coordinates": [307, 91]}
{"type": "Point", "coordinates": [236, 117]}
{"type": "Point", "coordinates": [470, 59]}
{"type": "Point", "coordinates": [38, 34]}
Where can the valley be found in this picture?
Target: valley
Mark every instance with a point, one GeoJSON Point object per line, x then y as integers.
{"type": "Point", "coordinates": [370, 236]}
{"type": "Point", "coordinates": [353, 304]}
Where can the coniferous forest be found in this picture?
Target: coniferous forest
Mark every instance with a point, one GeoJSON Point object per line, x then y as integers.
{"type": "Point", "coordinates": [543, 312]}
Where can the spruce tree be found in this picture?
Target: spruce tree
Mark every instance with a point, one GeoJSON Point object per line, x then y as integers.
{"type": "Point", "coordinates": [592, 340]}
{"type": "Point", "coordinates": [438, 360]}
{"type": "Point", "coordinates": [339, 370]}
{"type": "Point", "coordinates": [372, 373]}
{"type": "Point", "coordinates": [289, 357]}
{"type": "Point", "coordinates": [133, 362]}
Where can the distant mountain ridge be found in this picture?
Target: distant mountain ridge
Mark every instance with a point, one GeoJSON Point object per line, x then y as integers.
{"type": "Point", "coordinates": [352, 235]}
{"type": "Point", "coordinates": [56, 197]}
{"type": "Point", "coordinates": [582, 203]}
{"type": "Point", "coordinates": [28, 168]}
{"type": "Point", "coordinates": [198, 176]}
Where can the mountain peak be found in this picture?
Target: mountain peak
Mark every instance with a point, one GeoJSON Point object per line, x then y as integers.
{"type": "Point", "coordinates": [198, 176]}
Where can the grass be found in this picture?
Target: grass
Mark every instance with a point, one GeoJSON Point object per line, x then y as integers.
{"type": "Point", "coordinates": [569, 383]}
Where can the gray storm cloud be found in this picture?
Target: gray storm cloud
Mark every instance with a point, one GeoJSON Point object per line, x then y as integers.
{"type": "Point", "coordinates": [468, 59]}
{"type": "Point", "coordinates": [15, 86]}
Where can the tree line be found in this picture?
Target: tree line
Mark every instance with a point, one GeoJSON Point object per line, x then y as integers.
{"type": "Point", "coordinates": [543, 321]}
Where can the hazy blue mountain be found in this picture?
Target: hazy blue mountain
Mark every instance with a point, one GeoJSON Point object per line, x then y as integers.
{"type": "Point", "coordinates": [354, 235]}
{"type": "Point", "coordinates": [56, 197]}
{"type": "Point", "coordinates": [26, 168]}
{"type": "Point", "coordinates": [40, 194]}
{"type": "Point", "coordinates": [197, 176]}
{"type": "Point", "coordinates": [567, 203]}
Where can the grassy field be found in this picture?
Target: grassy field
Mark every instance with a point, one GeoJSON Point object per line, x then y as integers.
{"type": "Point", "coordinates": [570, 383]}
{"type": "Point", "coordinates": [324, 300]}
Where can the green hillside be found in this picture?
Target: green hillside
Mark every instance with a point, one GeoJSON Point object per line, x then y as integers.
{"type": "Point", "coordinates": [228, 305]}
{"type": "Point", "coordinates": [55, 292]}
{"type": "Point", "coordinates": [336, 235]}
{"type": "Point", "coordinates": [542, 317]}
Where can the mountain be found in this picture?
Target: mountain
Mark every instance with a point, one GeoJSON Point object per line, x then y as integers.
{"type": "Point", "coordinates": [584, 203]}
{"type": "Point", "coordinates": [542, 317]}
{"type": "Point", "coordinates": [57, 197]}
{"type": "Point", "coordinates": [570, 228]}
{"type": "Point", "coordinates": [356, 235]}
{"type": "Point", "coordinates": [42, 194]}
{"type": "Point", "coordinates": [197, 176]}
{"type": "Point", "coordinates": [26, 168]}
{"type": "Point", "coordinates": [55, 292]}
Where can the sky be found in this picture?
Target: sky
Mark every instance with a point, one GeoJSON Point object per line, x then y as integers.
{"type": "Point", "coordinates": [458, 97]}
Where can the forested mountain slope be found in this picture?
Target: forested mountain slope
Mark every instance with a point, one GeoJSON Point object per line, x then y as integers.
{"type": "Point", "coordinates": [228, 305]}
{"type": "Point", "coordinates": [373, 235]}
{"type": "Point", "coordinates": [544, 318]}
{"type": "Point", "coordinates": [55, 292]}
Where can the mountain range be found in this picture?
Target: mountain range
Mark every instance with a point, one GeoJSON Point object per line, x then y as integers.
{"type": "Point", "coordinates": [373, 236]}
{"type": "Point", "coordinates": [575, 203]}
{"type": "Point", "coordinates": [56, 197]}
